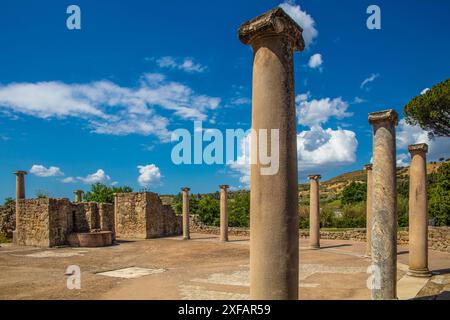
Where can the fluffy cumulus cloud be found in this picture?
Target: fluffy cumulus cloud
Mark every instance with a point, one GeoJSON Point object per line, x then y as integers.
{"type": "Point", "coordinates": [41, 171]}
{"type": "Point", "coordinates": [315, 112]}
{"type": "Point", "coordinates": [109, 108]}
{"type": "Point", "coordinates": [149, 175]}
{"type": "Point", "coordinates": [303, 19]}
{"type": "Point", "coordinates": [320, 147]}
{"type": "Point", "coordinates": [98, 177]}
{"type": "Point", "coordinates": [317, 148]}
{"type": "Point", "coordinates": [315, 61]}
{"type": "Point", "coordinates": [407, 135]}
{"type": "Point", "coordinates": [403, 160]}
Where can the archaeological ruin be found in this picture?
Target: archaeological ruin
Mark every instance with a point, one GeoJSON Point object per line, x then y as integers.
{"type": "Point", "coordinates": [141, 215]}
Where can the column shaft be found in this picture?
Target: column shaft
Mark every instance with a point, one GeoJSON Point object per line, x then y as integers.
{"type": "Point", "coordinates": [223, 213]}
{"type": "Point", "coordinates": [384, 205]}
{"type": "Point", "coordinates": [369, 212]}
{"type": "Point", "coordinates": [274, 247]}
{"type": "Point", "coordinates": [418, 212]}
{"type": "Point", "coordinates": [186, 234]}
{"type": "Point", "coordinates": [314, 214]}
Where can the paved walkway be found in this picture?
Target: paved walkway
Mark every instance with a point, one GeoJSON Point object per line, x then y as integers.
{"type": "Point", "coordinates": [202, 268]}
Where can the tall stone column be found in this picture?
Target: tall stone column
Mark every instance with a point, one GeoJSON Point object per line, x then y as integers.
{"type": "Point", "coordinates": [314, 212]}
{"type": "Point", "coordinates": [186, 235]}
{"type": "Point", "coordinates": [20, 194]}
{"type": "Point", "coordinates": [274, 246]}
{"type": "Point", "coordinates": [384, 204]}
{"type": "Point", "coordinates": [78, 196]}
{"type": "Point", "coordinates": [223, 213]}
{"type": "Point", "coordinates": [368, 168]}
{"type": "Point", "coordinates": [418, 212]}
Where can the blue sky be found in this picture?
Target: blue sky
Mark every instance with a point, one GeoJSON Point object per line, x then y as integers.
{"type": "Point", "coordinates": [94, 104]}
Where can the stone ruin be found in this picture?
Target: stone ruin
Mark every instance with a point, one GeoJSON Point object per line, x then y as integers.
{"type": "Point", "coordinates": [48, 222]}
{"type": "Point", "coordinates": [143, 216]}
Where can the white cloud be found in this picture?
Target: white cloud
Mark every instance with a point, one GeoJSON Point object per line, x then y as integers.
{"type": "Point", "coordinates": [98, 177]}
{"type": "Point", "coordinates": [316, 112]}
{"type": "Point", "coordinates": [370, 79]}
{"type": "Point", "coordinates": [149, 175]}
{"type": "Point", "coordinates": [109, 108]}
{"type": "Point", "coordinates": [403, 160]}
{"type": "Point", "coordinates": [114, 183]}
{"type": "Point", "coordinates": [41, 171]}
{"type": "Point", "coordinates": [319, 148]}
{"type": "Point", "coordinates": [358, 100]}
{"type": "Point", "coordinates": [185, 64]}
{"type": "Point", "coordinates": [407, 135]}
{"type": "Point", "coordinates": [303, 19]}
{"type": "Point", "coordinates": [315, 61]}
{"type": "Point", "coordinates": [68, 180]}
{"type": "Point", "coordinates": [424, 91]}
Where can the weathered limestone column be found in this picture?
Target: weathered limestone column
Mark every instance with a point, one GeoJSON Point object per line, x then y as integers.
{"type": "Point", "coordinates": [224, 213]}
{"type": "Point", "coordinates": [384, 204]}
{"type": "Point", "coordinates": [78, 196]}
{"type": "Point", "coordinates": [368, 168]}
{"type": "Point", "coordinates": [186, 235]}
{"type": "Point", "coordinates": [314, 212]}
{"type": "Point", "coordinates": [418, 212]}
{"type": "Point", "coordinates": [274, 236]}
{"type": "Point", "coordinates": [20, 194]}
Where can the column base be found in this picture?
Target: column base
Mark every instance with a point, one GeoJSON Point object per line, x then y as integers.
{"type": "Point", "coordinates": [314, 247]}
{"type": "Point", "coordinates": [187, 238]}
{"type": "Point", "coordinates": [422, 273]}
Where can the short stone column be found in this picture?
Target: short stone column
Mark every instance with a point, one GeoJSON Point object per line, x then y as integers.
{"type": "Point", "coordinates": [314, 212]}
{"type": "Point", "coordinates": [186, 235]}
{"type": "Point", "coordinates": [274, 234]}
{"type": "Point", "coordinates": [223, 213]}
{"type": "Point", "coordinates": [78, 196]}
{"type": "Point", "coordinates": [384, 205]}
{"type": "Point", "coordinates": [20, 194]}
{"type": "Point", "coordinates": [368, 168]}
{"type": "Point", "coordinates": [418, 212]}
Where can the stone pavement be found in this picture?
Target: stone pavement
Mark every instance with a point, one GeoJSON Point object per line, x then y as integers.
{"type": "Point", "coordinates": [202, 268]}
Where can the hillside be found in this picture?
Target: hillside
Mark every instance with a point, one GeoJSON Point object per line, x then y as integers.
{"type": "Point", "coordinates": [334, 186]}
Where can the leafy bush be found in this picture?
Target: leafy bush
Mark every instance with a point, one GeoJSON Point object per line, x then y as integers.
{"type": "Point", "coordinates": [439, 196]}
{"type": "Point", "coordinates": [102, 193]}
{"type": "Point", "coordinates": [353, 193]}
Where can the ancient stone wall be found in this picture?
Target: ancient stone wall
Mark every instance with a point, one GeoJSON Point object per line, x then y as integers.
{"type": "Point", "coordinates": [143, 216]}
{"type": "Point", "coordinates": [48, 222]}
{"type": "Point", "coordinates": [8, 219]}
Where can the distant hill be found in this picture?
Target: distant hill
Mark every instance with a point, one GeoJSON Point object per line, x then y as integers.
{"type": "Point", "coordinates": [334, 186]}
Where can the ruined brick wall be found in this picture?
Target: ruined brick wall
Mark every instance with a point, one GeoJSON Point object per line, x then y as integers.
{"type": "Point", "coordinates": [130, 215]}
{"type": "Point", "coordinates": [106, 216]}
{"type": "Point", "coordinates": [33, 229]}
{"type": "Point", "coordinates": [48, 222]}
{"type": "Point", "coordinates": [143, 216]}
{"type": "Point", "coordinates": [8, 219]}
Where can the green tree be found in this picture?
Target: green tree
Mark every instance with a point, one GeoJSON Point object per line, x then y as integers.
{"type": "Point", "coordinates": [102, 193]}
{"type": "Point", "coordinates": [354, 193]}
{"type": "Point", "coordinates": [208, 208]}
{"type": "Point", "coordinates": [239, 210]}
{"type": "Point", "coordinates": [431, 110]}
{"type": "Point", "coordinates": [9, 201]}
{"type": "Point", "coordinates": [439, 196]}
